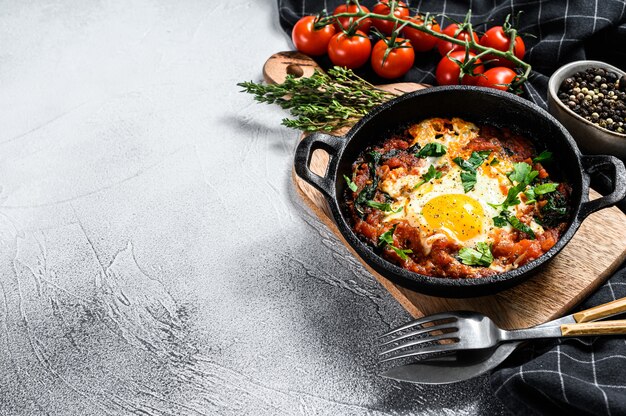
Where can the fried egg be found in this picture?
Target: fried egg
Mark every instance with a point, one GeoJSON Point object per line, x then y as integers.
{"type": "Point", "coordinates": [440, 208]}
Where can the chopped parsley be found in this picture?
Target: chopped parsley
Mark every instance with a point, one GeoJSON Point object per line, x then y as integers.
{"type": "Point", "coordinates": [544, 156]}
{"type": "Point", "coordinates": [469, 166]}
{"type": "Point", "coordinates": [432, 149]}
{"type": "Point", "coordinates": [544, 188]}
{"type": "Point", "coordinates": [351, 184]}
{"type": "Point", "coordinates": [386, 239]}
{"type": "Point", "coordinates": [518, 225]}
{"type": "Point", "coordinates": [523, 174]}
{"type": "Point", "coordinates": [480, 256]}
{"type": "Point", "coordinates": [428, 176]}
{"type": "Point", "coordinates": [383, 206]}
{"type": "Point", "coordinates": [506, 217]}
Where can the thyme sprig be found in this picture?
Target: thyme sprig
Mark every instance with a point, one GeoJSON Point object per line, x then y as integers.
{"type": "Point", "coordinates": [323, 101]}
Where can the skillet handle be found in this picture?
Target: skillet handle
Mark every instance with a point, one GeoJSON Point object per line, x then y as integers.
{"type": "Point", "coordinates": [331, 144]}
{"type": "Point", "coordinates": [594, 163]}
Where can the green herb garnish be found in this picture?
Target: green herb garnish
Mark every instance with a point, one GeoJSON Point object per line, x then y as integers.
{"type": "Point", "coordinates": [544, 156]}
{"type": "Point", "coordinates": [351, 184]}
{"type": "Point", "coordinates": [383, 206]}
{"type": "Point", "coordinates": [523, 174]}
{"type": "Point", "coordinates": [500, 221]}
{"type": "Point", "coordinates": [480, 256]}
{"type": "Point", "coordinates": [428, 176]}
{"type": "Point", "coordinates": [518, 225]}
{"type": "Point", "coordinates": [506, 217]}
{"type": "Point", "coordinates": [544, 188]}
{"type": "Point", "coordinates": [386, 239]}
{"type": "Point", "coordinates": [469, 166]}
{"type": "Point", "coordinates": [432, 149]}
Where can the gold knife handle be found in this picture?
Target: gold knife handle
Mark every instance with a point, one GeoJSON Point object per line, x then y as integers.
{"type": "Point", "coordinates": [594, 328]}
{"type": "Point", "coordinates": [601, 311]}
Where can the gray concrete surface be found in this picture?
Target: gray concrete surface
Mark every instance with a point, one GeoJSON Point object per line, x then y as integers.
{"type": "Point", "coordinates": [154, 256]}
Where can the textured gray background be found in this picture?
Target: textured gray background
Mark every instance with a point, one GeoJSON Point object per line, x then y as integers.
{"type": "Point", "coordinates": [154, 257]}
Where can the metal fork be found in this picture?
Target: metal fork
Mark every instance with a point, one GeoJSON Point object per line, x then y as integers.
{"type": "Point", "coordinates": [453, 331]}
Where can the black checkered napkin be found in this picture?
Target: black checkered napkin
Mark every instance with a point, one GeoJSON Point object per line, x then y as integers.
{"type": "Point", "coordinates": [564, 377]}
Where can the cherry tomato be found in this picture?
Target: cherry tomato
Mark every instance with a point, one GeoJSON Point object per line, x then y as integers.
{"type": "Point", "coordinates": [346, 22]}
{"type": "Point", "coordinates": [444, 46]}
{"type": "Point", "coordinates": [399, 60]}
{"type": "Point", "coordinates": [496, 38]}
{"type": "Point", "coordinates": [448, 71]}
{"type": "Point", "coordinates": [401, 11]}
{"type": "Point", "coordinates": [421, 41]}
{"type": "Point", "coordinates": [310, 40]}
{"type": "Point", "coordinates": [499, 78]}
{"type": "Point", "coordinates": [351, 51]}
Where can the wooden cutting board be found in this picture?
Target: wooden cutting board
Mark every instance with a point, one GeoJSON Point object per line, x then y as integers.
{"type": "Point", "coordinates": [593, 254]}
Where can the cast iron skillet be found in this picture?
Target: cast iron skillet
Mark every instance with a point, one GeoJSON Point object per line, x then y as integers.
{"type": "Point", "coordinates": [475, 104]}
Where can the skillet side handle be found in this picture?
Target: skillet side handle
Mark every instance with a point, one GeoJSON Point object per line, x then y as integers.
{"type": "Point", "coordinates": [594, 163]}
{"type": "Point", "coordinates": [333, 145]}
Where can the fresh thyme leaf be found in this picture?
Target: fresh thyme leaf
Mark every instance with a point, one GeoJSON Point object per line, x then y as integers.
{"type": "Point", "coordinates": [544, 156]}
{"type": "Point", "coordinates": [321, 102]}
{"type": "Point", "coordinates": [383, 206]}
{"type": "Point", "coordinates": [351, 184]}
{"type": "Point", "coordinates": [480, 256]}
{"type": "Point", "coordinates": [431, 174]}
{"type": "Point", "coordinates": [432, 149]}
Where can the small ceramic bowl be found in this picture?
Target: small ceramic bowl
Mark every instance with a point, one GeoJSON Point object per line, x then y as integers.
{"type": "Point", "coordinates": [591, 138]}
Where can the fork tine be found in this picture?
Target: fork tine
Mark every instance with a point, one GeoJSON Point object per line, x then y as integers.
{"type": "Point", "coordinates": [420, 321]}
{"type": "Point", "coordinates": [423, 351]}
{"type": "Point", "coordinates": [449, 335]}
{"type": "Point", "coordinates": [422, 330]}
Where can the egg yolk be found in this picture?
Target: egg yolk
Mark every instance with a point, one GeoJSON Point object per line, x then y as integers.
{"type": "Point", "coordinates": [457, 213]}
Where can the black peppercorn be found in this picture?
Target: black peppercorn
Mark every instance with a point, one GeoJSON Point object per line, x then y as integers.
{"type": "Point", "coordinates": [598, 95]}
